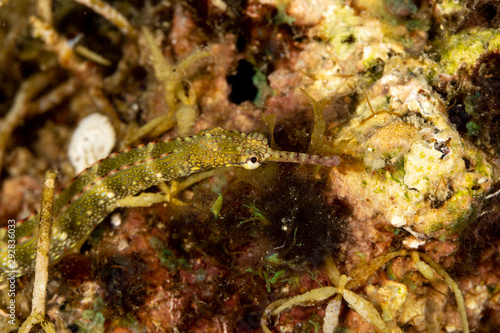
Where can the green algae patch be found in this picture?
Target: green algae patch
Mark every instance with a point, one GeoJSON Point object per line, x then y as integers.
{"type": "Point", "coordinates": [465, 48]}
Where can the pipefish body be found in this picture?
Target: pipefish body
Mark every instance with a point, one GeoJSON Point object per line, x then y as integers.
{"type": "Point", "coordinates": [82, 204]}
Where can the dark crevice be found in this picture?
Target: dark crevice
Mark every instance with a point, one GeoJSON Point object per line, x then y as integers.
{"type": "Point", "coordinates": [242, 85]}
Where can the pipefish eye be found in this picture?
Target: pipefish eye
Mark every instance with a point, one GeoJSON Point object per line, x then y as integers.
{"type": "Point", "coordinates": [251, 162]}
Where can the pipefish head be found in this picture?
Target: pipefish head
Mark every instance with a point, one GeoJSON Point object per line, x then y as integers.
{"type": "Point", "coordinates": [257, 151]}
{"type": "Point", "coordinates": [217, 148]}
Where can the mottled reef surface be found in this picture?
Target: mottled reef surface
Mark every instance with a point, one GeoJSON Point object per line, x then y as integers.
{"type": "Point", "coordinates": [405, 91]}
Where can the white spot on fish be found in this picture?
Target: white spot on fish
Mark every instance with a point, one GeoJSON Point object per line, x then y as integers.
{"type": "Point", "coordinates": [63, 236]}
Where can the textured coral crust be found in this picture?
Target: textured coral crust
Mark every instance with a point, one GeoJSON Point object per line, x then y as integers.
{"type": "Point", "coordinates": [417, 170]}
{"type": "Point", "coordinates": [86, 201]}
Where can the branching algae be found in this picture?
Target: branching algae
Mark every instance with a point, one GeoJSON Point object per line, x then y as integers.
{"type": "Point", "coordinates": [343, 286]}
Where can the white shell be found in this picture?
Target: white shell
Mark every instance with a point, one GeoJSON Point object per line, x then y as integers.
{"type": "Point", "coordinates": [412, 242]}
{"type": "Point", "coordinates": [93, 139]}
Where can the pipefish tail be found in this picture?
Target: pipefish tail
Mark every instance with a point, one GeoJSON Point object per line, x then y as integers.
{"type": "Point", "coordinates": [82, 204]}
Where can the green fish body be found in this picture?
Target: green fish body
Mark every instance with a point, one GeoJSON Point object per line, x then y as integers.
{"type": "Point", "coordinates": [81, 205]}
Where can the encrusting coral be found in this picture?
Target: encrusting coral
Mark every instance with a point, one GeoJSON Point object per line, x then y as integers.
{"type": "Point", "coordinates": [403, 91]}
